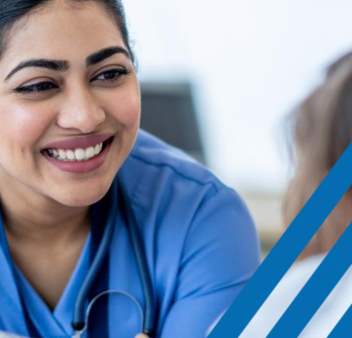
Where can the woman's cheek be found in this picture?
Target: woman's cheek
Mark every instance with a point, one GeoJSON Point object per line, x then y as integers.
{"type": "Point", "coordinates": [27, 125]}
{"type": "Point", "coordinates": [132, 112]}
{"type": "Point", "coordinates": [125, 106]}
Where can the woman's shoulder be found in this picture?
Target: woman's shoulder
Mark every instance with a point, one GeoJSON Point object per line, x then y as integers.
{"type": "Point", "coordinates": [155, 159]}
{"type": "Point", "coordinates": [163, 182]}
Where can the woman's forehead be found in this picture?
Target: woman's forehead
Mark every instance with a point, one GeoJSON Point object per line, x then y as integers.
{"type": "Point", "coordinates": [63, 31]}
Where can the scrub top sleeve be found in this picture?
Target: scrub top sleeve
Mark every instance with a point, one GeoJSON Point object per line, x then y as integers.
{"type": "Point", "coordinates": [220, 255]}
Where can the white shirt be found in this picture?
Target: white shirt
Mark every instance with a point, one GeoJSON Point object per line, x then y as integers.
{"type": "Point", "coordinates": [325, 319]}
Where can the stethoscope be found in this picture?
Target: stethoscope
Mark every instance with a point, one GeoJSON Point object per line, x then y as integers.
{"type": "Point", "coordinates": [118, 195]}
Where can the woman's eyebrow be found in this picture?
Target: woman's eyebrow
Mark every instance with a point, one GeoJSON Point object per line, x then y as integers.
{"type": "Point", "coordinates": [62, 65]}
{"type": "Point", "coordinates": [105, 53]}
{"type": "Point", "coordinates": [56, 65]}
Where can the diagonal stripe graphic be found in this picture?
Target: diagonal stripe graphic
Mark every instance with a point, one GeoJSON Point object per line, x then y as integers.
{"type": "Point", "coordinates": [344, 326]}
{"type": "Point", "coordinates": [316, 290]}
{"type": "Point", "coordinates": [288, 248]}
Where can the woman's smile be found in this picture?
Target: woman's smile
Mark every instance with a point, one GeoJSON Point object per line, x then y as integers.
{"type": "Point", "coordinates": [81, 155]}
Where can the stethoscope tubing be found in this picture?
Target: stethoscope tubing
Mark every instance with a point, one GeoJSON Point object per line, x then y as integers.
{"type": "Point", "coordinates": [79, 322]}
{"type": "Point", "coordinates": [149, 313]}
{"type": "Point", "coordinates": [148, 319]}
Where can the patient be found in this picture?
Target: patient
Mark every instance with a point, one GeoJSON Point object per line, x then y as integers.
{"type": "Point", "coordinates": [322, 130]}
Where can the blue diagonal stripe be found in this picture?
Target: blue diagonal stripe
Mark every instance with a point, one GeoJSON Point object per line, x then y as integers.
{"type": "Point", "coordinates": [288, 248]}
{"type": "Point", "coordinates": [316, 290]}
{"type": "Point", "coordinates": [344, 326]}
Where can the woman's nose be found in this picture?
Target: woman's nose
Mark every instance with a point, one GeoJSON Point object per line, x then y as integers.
{"type": "Point", "coordinates": [80, 110]}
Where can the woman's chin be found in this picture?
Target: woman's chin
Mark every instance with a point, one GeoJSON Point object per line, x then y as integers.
{"type": "Point", "coordinates": [82, 197]}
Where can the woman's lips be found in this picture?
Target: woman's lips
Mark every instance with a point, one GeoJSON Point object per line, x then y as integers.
{"type": "Point", "coordinates": [78, 142]}
{"type": "Point", "coordinates": [84, 166]}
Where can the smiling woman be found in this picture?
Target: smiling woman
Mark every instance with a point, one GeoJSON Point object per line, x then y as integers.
{"type": "Point", "coordinates": [93, 210]}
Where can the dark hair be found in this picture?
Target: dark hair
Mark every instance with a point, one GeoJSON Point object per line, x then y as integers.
{"type": "Point", "coordinates": [322, 130]}
{"type": "Point", "coordinates": [11, 11]}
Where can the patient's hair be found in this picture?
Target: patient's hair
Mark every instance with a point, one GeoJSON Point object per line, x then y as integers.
{"type": "Point", "coordinates": [322, 130]}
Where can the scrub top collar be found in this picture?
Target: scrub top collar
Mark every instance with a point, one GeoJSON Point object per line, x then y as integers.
{"type": "Point", "coordinates": [58, 322]}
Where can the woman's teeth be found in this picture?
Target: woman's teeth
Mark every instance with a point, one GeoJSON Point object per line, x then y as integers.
{"type": "Point", "coordinates": [75, 154]}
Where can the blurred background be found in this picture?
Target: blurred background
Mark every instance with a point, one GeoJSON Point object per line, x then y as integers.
{"type": "Point", "coordinates": [219, 78]}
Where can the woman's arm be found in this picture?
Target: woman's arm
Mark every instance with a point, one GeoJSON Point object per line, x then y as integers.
{"type": "Point", "coordinates": [220, 254]}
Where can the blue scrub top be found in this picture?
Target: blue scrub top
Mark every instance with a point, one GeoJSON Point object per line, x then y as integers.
{"type": "Point", "coordinates": [200, 245]}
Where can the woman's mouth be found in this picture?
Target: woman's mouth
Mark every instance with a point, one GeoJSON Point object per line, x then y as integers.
{"type": "Point", "coordinates": [79, 160]}
{"type": "Point", "coordinates": [77, 155]}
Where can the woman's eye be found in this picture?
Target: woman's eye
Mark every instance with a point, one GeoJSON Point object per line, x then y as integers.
{"type": "Point", "coordinates": [36, 87]}
{"type": "Point", "coordinates": [111, 75]}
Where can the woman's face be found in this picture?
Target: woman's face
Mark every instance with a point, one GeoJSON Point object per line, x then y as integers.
{"type": "Point", "coordinates": [69, 104]}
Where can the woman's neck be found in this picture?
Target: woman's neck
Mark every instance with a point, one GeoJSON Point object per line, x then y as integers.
{"type": "Point", "coordinates": [45, 240]}
{"type": "Point", "coordinates": [38, 219]}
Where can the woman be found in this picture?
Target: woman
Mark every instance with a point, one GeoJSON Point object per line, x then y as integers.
{"type": "Point", "coordinates": [322, 130]}
{"type": "Point", "coordinates": [73, 163]}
